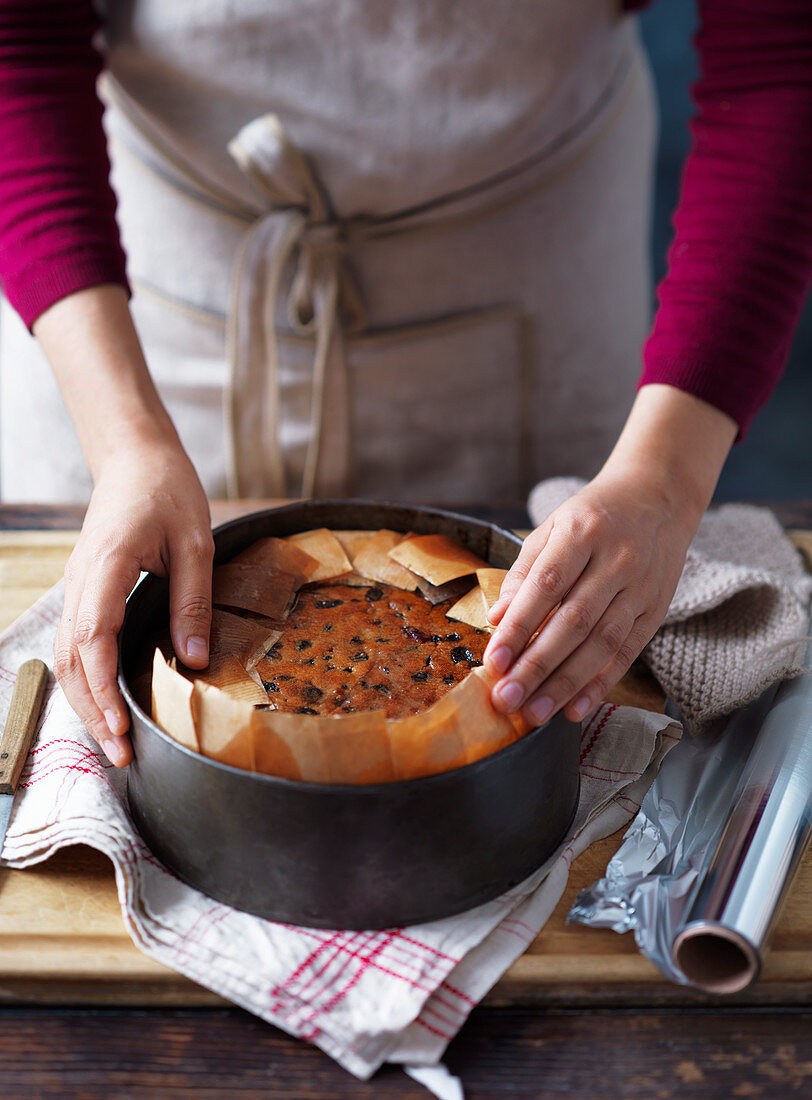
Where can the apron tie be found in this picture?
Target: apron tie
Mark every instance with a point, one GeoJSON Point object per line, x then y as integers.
{"type": "Point", "coordinates": [276, 431]}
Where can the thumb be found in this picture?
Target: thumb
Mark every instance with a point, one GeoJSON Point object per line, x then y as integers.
{"type": "Point", "coordinates": [190, 567]}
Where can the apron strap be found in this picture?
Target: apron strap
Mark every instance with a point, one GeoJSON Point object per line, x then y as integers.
{"type": "Point", "coordinates": [264, 423]}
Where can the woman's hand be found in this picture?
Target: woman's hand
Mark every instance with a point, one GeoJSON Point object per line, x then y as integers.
{"type": "Point", "coordinates": [592, 584]}
{"type": "Point", "coordinates": [148, 509]}
{"type": "Point", "coordinates": [148, 512]}
{"type": "Point", "coordinates": [608, 560]}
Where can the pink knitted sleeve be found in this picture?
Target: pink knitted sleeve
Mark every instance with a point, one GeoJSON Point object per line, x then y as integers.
{"type": "Point", "coordinates": [741, 258]}
{"type": "Point", "coordinates": [58, 231]}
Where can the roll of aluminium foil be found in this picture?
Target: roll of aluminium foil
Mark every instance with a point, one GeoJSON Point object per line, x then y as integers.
{"type": "Point", "coordinates": [703, 869]}
{"type": "Point", "coordinates": [719, 943]}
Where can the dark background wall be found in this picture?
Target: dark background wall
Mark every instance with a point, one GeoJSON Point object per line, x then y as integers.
{"type": "Point", "coordinates": [775, 460]}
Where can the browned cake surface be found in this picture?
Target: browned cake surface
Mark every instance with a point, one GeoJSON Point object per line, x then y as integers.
{"type": "Point", "coordinates": [346, 649]}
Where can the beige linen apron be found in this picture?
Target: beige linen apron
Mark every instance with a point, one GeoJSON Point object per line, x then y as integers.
{"type": "Point", "coordinates": [389, 250]}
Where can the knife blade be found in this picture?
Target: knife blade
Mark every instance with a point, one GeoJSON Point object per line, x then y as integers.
{"type": "Point", "coordinates": [26, 701]}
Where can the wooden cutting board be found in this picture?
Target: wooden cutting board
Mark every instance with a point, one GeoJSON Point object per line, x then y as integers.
{"type": "Point", "coordinates": [62, 938]}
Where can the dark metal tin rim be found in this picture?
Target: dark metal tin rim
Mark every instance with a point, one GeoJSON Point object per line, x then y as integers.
{"type": "Point", "coordinates": [373, 789]}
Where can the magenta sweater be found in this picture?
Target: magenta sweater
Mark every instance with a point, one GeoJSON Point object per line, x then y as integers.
{"type": "Point", "coordinates": [739, 264]}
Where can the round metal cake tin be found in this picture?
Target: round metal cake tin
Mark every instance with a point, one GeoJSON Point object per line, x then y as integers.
{"type": "Point", "coordinates": [377, 856]}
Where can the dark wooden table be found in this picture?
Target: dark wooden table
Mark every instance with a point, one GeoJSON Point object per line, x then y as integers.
{"type": "Point", "coordinates": [617, 1050]}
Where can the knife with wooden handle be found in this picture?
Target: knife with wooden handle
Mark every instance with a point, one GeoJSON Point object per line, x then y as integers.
{"type": "Point", "coordinates": [26, 701]}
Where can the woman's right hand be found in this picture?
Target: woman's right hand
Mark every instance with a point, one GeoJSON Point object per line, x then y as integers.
{"type": "Point", "coordinates": [148, 509]}
{"type": "Point", "coordinates": [148, 512]}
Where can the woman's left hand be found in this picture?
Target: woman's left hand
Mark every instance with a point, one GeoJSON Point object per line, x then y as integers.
{"type": "Point", "coordinates": [608, 560]}
{"type": "Point", "coordinates": [592, 584]}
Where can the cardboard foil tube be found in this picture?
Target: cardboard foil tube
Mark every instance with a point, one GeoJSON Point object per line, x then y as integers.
{"type": "Point", "coordinates": [719, 944]}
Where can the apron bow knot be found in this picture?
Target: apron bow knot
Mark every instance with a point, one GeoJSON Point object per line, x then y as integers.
{"type": "Point", "coordinates": [297, 229]}
{"type": "Point", "coordinates": [320, 257]}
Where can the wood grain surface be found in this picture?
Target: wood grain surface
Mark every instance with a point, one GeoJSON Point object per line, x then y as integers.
{"type": "Point", "coordinates": [62, 938]}
{"type": "Point", "coordinates": [692, 1054]}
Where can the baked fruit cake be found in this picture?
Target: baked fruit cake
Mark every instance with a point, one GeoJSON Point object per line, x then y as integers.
{"type": "Point", "coordinates": [345, 649]}
{"type": "Point", "coordinates": [341, 657]}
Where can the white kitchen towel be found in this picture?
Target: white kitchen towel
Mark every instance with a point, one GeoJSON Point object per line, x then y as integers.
{"type": "Point", "coordinates": [739, 617]}
{"type": "Point", "coordinates": [364, 997]}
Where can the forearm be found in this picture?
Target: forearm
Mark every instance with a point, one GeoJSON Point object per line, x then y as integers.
{"type": "Point", "coordinates": [91, 343]}
{"type": "Point", "coordinates": [675, 444]}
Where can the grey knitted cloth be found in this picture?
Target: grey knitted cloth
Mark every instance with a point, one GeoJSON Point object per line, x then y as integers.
{"type": "Point", "coordinates": [738, 617]}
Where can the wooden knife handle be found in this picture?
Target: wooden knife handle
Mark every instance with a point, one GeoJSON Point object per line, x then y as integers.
{"type": "Point", "coordinates": [26, 701]}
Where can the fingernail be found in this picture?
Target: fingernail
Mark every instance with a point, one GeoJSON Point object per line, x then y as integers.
{"type": "Point", "coordinates": [197, 648]}
{"type": "Point", "coordinates": [580, 706]}
{"type": "Point", "coordinates": [115, 723]}
{"type": "Point", "coordinates": [511, 694]}
{"type": "Point", "coordinates": [500, 659]}
{"type": "Point", "coordinates": [541, 709]}
{"type": "Point", "coordinates": [114, 750]}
